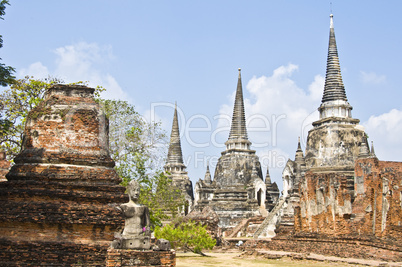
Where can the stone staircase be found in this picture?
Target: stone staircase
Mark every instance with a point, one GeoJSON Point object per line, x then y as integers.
{"type": "Point", "coordinates": [270, 217]}
{"type": "Point", "coordinates": [238, 227]}
{"type": "Point", "coordinates": [263, 211]}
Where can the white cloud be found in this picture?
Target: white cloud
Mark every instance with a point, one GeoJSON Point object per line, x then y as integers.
{"type": "Point", "coordinates": [386, 131]}
{"type": "Point", "coordinates": [371, 77]}
{"type": "Point", "coordinates": [37, 70]}
{"type": "Point", "coordinates": [81, 62]}
{"type": "Point", "coordinates": [316, 88]}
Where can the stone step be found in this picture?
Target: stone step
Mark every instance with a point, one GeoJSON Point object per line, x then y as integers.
{"type": "Point", "coordinates": [270, 216]}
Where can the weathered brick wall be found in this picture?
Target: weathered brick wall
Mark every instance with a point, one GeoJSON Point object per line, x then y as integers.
{"type": "Point", "coordinates": [43, 253]}
{"type": "Point", "coordinates": [58, 205]}
{"type": "Point", "coordinates": [373, 208]}
{"type": "Point", "coordinates": [325, 204]}
{"type": "Point", "coordinates": [378, 203]}
{"type": "Point", "coordinates": [128, 257]}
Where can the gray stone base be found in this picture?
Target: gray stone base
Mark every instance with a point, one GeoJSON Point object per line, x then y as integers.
{"type": "Point", "coordinates": [130, 257]}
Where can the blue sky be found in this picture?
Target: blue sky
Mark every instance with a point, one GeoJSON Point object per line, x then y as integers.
{"type": "Point", "coordinates": [153, 53]}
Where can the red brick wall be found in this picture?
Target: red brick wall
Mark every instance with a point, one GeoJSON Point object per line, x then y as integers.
{"type": "Point", "coordinates": [328, 205]}
{"type": "Point", "coordinates": [325, 202]}
{"type": "Point", "coordinates": [380, 204]}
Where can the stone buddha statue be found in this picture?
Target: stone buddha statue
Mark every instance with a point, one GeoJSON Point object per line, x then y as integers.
{"type": "Point", "coordinates": [136, 233]}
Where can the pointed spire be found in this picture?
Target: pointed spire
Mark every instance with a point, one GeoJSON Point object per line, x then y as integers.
{"type": "Point", "coordinates": [300, 162]}
{"type": "Point", "coordinates": [207, 178]}
{"type": "Point", "coordinates": [298, 145]}
{"type": "Point", "coordinates": [299, 157]}
{"type": "Point", "coordinates": [175, 156]}
{"type": "Point", "coordinates": [364, 151]}
{"type": "Point", "coordinates": [238, 128]}
{"type": "Point", "coordinates": [334, 88]}
{"type": "Point", "coordinates": [372, 153]}
{"type": "Point", "coordinates": [267, 177]}
{"type": "Point", "coordinates": [238, 133]}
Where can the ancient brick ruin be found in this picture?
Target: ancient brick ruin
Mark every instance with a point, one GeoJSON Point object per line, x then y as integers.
{"type": "Point", "coordinates": [373, 208]}
{"type": "Point", "coordinates": [346, 190]}
{"type": "Point", "coordinates": [58, 202]}
{"type": "Point", "coordinates": [339, 194]}
{"type": "Point", "coordinates": [57, 205]}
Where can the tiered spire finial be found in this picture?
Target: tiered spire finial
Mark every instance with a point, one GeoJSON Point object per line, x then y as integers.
{"type": "Point", "coordinates": [334, 103]}
{"type": "Point", "coordinates": [298, 145]}
{"type": "Point", "coordinates": [175, 156]}
{"type": "Point", "coordinates": [267, 177]}
{"type": "Point", "coordinates": [300, 162]}
{"type": "Point", "coordinates": [299, 157]}
{"type": "Point", "coordinates": [372, 152]}
{"type": "Point", "coordinates": [238, 128]}
{"type": "Point", "coordinates": [334, 88]}
{"type": "Point", "coordinates": [364, 151]}
{"type": "Point", "coordinates": [207, 178]}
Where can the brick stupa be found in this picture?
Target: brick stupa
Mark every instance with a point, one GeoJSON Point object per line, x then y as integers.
{"type": "Point", "coordinates": [57, 207]}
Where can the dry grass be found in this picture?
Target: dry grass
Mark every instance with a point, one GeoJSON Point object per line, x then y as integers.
{"type": "Point", "coordinates": [219, 259]}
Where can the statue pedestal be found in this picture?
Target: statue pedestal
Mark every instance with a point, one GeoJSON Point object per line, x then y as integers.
{"type": "Point", "coordinates": [129, 257]}
{"type": "Point", "coordinates": [139, 243]}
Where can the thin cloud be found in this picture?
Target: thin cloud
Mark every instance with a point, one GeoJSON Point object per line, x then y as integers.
{"type": "Point", "coordinates": [386, 131]}
{"type": "Point", "coordinates": [371, 77]}
{"type": "Point", "coordinates": [79, 62]}
{"type": "Point", "coordinates": [316, 88]}
{"type": "Point", "coordinates": [37, 70]}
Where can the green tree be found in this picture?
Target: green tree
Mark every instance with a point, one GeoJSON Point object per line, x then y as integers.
{"type": "Point", "coordinates": [163, 200]}
{"type": "Point", "coordinates": [134, 144]}
{"type": "Point", "coordinates": [6, 72]}
{"type": "Point", "coordinates": [138, 147]}
{"type": "Point", "coordinates": [188, 235]}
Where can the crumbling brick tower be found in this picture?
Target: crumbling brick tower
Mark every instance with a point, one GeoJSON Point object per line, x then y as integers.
{"type": "Point", "coordinates": [57, 205]}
